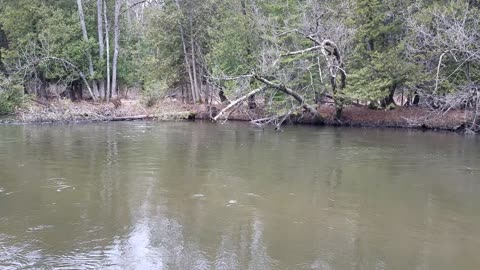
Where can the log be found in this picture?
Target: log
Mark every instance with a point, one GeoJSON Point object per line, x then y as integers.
{"type": "Point", "coordinates": [165, 116]}
{"type": "Point", "coordinates": [132, 118]}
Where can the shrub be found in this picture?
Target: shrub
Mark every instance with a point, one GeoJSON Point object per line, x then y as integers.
{"type": "Point", "coordinates": [11, 95]}
{"type": "Point", "coordinates": [153, 92]}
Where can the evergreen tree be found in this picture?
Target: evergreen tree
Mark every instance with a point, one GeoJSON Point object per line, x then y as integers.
{"type": "Point", "coordinates": [377, 65]}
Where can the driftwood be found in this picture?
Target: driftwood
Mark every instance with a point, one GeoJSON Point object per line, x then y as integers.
{"type": "Point", "coordinates": [132, 118]}
{"type": "Point", "coordinates": [165, 116]}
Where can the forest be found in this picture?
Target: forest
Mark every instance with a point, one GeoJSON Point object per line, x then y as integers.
{"type": "Point", "coordinates": [287, 57]}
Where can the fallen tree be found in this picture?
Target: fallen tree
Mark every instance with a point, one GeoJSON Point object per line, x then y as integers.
{"type": "Point", "coordinates": [237, 102]}
{"type": "Point", "coordinates": [312, 110]}
{"type": "Point", "coordinates": [335, 65]}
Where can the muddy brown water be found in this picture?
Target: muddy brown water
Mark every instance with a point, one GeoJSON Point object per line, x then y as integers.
{"type": "Point", "coordinates": [147, 195]}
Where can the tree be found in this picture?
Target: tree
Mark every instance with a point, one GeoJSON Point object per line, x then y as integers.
{"type": "Point", "coordinates": [300, 54]}
{"type": "Point", "coordinates": [101, 44]}
{"type": "Point", "coordinates": [107, 40]}
{"type": "Point", "coordinates": [377, 62]}
{"type": "Point", "coordinates": [116, 46]}
{"type": "Point", "coordinates": [11, 94]}
{"type": "Point", "coordinates": [89, 56]}
{"type": "Point", "coordinates": [443, 45]}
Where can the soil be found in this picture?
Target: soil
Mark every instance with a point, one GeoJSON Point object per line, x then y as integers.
{"type": "Point", "coordinates": [411, 117]}
{"type": "Point", "coordinates": [66, 111]}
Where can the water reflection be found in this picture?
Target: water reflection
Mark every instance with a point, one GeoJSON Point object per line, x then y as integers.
{"type": "Point", "coordinates": [202, 196]}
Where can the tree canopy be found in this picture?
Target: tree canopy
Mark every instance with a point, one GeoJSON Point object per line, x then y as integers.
{"type": "Point", "coordinates": [356, 51]}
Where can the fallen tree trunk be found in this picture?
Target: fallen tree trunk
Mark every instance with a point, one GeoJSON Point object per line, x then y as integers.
{"type": "Point", "coordinates": [132, 118]}
{"type": "Point", "coordinates": [164, 116]}
{"type": "Point", "coordinates": [237, 101]}
{"type": "Point", "coordinates": [282, 88]}
{"type": "Point", "coordinates": [335, 64]}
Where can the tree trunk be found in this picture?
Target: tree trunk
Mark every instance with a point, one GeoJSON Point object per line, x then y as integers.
{"type": "Point", "coordinates": [222, 97]}
{"type": "Point", "coordinates": [101, 45]}
{"type": "Point", "coordinates": [194, 66]}
{"type": "Point", "coordinates": [238, 101]}
{"type": "Point", "coordinates": [116, 46]}
{"type": "Point", "coordinates": [467, 67]}
{"type": "Point", "coordinates": [127, 14]}
{"type": "Point", "coordinates": [3, 45]}
{"type": "Point", "coordinates": [187, 66]}
{"type": "Point", "coordinates": [416, 99]}
{"type": "Point", "coordinates": [85, 38]}
{"type": "Point", "coordinates": [185, 57]}
{"type": "Point", "coordinates": [207, 93]}
{"type": "Point", "coordinates": [183, 94]}
{"type": "Point", "coordinates": [42, 88]}
{"type": "Point", "coordinates": [251, 100]}
{"type": "Point", "coordinates": [388, 100]}
{"type": "Point", "coordinates": [107, 40]}
{"type": "Point", "coordinates": [73, 91]}
{"type": "Point", "coordinates": [335, 64]}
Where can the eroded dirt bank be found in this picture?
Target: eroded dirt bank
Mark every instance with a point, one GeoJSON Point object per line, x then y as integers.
{"type": "Point", "coordinates": [64, 111]}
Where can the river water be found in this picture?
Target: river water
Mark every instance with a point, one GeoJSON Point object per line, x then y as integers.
{"type": "Point", "coordinates": [148, 195]}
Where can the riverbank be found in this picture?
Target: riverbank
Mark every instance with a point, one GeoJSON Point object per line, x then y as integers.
{"type": "Point", "coordinates": [65, 111]}
{"type": "Point", "coordinates": [412, 117]}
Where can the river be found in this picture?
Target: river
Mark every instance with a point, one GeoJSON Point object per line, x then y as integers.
{"type": "Point", "coordinates": [150, 195]}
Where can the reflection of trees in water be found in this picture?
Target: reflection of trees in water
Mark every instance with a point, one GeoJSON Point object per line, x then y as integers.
{"type": "Point", "coordinates": [159, 242]}
{"type": "Point", "coordinates": [426, 248]}
{"type": "Point", "coordinates": [157, 245]}
{"type": "Point", "coordinates": [107, 159]}
{"type": "Point", "coordinates": [242, 246]}
{"type": "Point", "coordinates": [258, 250]}
{"type": "Point", "coordinates": [155, 241]}
{"type": "Point", "coordinates": [335, 201]}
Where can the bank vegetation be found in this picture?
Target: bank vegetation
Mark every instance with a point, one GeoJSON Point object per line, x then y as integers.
{"type": "Point", "coordinates": [356, 62]}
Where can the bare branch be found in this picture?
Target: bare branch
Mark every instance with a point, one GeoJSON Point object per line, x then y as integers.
{"type": "Point", "coordinates": [302, 51]}
{"type": "Point", "coordinates": [80, 73]}
{"type": "Point", "coordinates": [237, 101]}
{"type": "Point", "coordinates": [292, 93]}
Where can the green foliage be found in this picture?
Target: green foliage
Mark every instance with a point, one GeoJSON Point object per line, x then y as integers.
{"type": "Point", "coordinates": [43, 30]}
{"type": "Point", "coordinates": [11, 95]}
{"type": "Point", "coordinates": [385, 44]}
{"type": "Point", "coordinates": [153, 92]}
{"type": "Point", "coordinates": [230, 50]}
{"type": "Point", "coordinates": [377, 65]}
{"type": "Point", "coordinates": [159, 55]}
